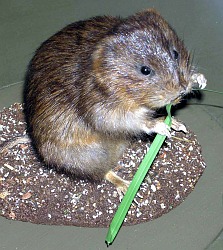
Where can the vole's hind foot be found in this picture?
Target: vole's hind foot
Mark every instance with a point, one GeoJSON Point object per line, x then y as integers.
{"type": "Point", "coordinates": [120, 184]}
{"type": "Point", "coordinates": [178, 126]}
{"type": "Point", "coordinates": [22, 139]}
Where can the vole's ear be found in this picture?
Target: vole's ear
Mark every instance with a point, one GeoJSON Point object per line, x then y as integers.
{"type": "Point", "coordinates": [147, 15]}
{"type": "Point", "coordinates": [152, 18]}
{"type": "Point", "coordinates": [150, 11]}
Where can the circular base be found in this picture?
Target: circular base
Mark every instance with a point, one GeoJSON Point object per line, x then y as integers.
{"type": "Point", "coordinates": [32, 192]}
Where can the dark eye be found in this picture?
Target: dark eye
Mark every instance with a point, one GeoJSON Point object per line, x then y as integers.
{"type": "Point", "coordinates": [145, 70]}
{"type": "Point", "coordinates": [175, 54]}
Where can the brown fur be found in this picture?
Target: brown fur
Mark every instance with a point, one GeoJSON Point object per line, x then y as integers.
{"type": "Point", "coordinates": [86, 97]}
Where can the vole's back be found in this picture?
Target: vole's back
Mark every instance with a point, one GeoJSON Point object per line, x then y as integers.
{"type": "Point", "coordinates": [56, 78]}
{"type": "Point", "coordinates": [61, 62]}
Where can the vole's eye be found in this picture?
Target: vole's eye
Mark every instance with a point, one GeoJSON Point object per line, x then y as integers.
{"type": "Point", "coordinates": [145, 70]}
{"type": "Point", "coordinates": [175, 54]}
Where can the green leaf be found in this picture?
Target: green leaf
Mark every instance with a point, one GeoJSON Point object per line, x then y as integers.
{"type": "Point", "coordinates": [135, 184]}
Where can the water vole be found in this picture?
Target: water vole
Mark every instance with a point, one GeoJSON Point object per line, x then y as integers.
{"type": "Point", "coordinates": [96, 84]}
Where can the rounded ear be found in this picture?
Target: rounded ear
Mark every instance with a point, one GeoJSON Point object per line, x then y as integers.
{"type": "Point", "coordinates": [150, 11]}
{"type": "Point", "coordinates": [150, 16]}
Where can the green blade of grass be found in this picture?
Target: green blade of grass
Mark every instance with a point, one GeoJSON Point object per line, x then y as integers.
{"type": "Point", "coordinates": [135, 183]}
{"type": "Point", "coordinates": [210, 90]}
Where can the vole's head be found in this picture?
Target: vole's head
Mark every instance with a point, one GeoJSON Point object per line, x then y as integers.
{"type": "Point", "coordinates": [143, 62]}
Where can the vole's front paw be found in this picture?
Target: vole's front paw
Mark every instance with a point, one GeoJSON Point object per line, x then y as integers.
{"type": "Point", "coordinates": [162, 128]}
{"type": "Point", "coordinates": [178, 126]}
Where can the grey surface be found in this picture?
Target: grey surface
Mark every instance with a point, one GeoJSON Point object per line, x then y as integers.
{"type": "Point", "coordinates": [197, 222]}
